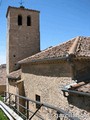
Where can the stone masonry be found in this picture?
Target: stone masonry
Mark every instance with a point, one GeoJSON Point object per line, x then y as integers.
{"type": "Point", "coordinates": [22, 40]}
{"type": "Point", "coordinates": [47, 81]}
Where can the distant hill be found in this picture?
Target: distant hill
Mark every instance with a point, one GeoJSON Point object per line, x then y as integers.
{"type": "Point", "coordinates": [3, 74]}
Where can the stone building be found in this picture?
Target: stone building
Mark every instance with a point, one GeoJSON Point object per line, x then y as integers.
{"type": "Point", "coordinates": [23, 36]}
{"type": "Point", "coordinates": [64, 67]}
{"type": "Point", "coordinates": [44, 76]}
{"type": "Point", "coordinates": [2, 78]}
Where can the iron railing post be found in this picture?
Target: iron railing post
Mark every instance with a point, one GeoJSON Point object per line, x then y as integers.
{"type": "Point", "coordinates": [9, 99]}
{"type": "Point", "coordinates": [4, 96]}
{"type": "Point", "coordinates": [27, 109]}
{"type": "Point", "coordinates": [16, 102]}
{"type": "Point", "coordinates": [59, 111]}
{"type": "Point", "coordinates": [58, 117]}
{"type": "Point", "coordinates": [36, 112]}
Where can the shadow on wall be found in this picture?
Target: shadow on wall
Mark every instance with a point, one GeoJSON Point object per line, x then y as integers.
{"type": "Point", "coordinates": [82, 102]}
{"type": "Point", "coordinates": [53, 70]}
{"type": "Point", "coordinates": [82, 70]}
{"type": "Point", "coordinates": [17, 87]}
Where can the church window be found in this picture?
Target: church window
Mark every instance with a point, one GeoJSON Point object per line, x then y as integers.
{"type": "Point", "coordinates": [37, 99]}
{"type": "Point", "coordinates": [19, 20]}
{"type": "Point", "coordinates": [28, 21]}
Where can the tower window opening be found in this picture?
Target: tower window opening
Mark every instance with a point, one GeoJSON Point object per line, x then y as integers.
{"type": "Point", "coordinates": [28, 21]}
{"type": "Point", "coordinates": [37, 99]}
{"type": "Point", "coordinates": [19, 20]}
{"type": "Point", "coordinates": [14, 55]}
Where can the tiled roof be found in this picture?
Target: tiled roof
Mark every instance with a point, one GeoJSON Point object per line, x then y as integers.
{"type": "Point", "coordinates": [3, 74]}
{"type": "Point", "coordinates": [83, 47]}
{"type": "Point", "coordinates": [15, 75]}
{"type": "Point", "coordinates": [52, 52]}
{"type": "Point", "coordinates": [79, 46]}
{"type": "Point", "coordinates": [84, 88]}
{"type": "Point", "coordinates": [81, 87]}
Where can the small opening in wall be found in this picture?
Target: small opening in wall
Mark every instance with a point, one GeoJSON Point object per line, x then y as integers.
{"type": "Point", "coordinates": [37, 99]}
{"type": "Point", "coordinates": [14, 55]}
{"type": "Point", "coordinates": [28, 20]}
{"type": "Point", "coordinates": [19, 20]}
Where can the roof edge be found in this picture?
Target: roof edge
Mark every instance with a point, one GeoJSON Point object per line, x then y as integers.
{"type": "Point", "coordinates": [20, 8]}
{"type": "Point", "coordinates": [14, 78]}
{"type": "Point", "coordinates": [44, 60]}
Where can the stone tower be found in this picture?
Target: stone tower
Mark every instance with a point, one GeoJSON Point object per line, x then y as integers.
{"type": "Point", "coordinates": [23, 35]}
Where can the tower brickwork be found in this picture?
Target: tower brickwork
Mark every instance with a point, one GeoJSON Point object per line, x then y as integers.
{"type": "Point", "coordinates": [23, 36]}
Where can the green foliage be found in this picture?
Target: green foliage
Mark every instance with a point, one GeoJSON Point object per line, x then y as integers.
{"type": "Point", "coordinates": [1, 98]}
{"type": "Point", "coordinates": [3, 116]}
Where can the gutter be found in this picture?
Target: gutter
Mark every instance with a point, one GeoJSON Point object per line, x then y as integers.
{"type": "Point", "coordinates": [74, 92]}
{"type": "Point", "coordinates": [44, 60]}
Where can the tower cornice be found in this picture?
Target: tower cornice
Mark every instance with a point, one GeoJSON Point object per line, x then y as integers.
{"type": "Point", "coordinates": [20, 8]}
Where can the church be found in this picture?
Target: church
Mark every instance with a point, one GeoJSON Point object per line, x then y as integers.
{"type": "Point", "coordinates": [58, 75]}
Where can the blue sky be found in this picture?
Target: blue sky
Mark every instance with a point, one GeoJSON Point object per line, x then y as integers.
{"type": "Point", "coordinates": [60, 20]}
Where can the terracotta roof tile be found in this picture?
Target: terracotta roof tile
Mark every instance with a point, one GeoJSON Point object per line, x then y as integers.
{"type": "Point", "coordinates": [53, 52]}
{"type": "Point", "coordinates": [15, 75]}
{"type": "Point", "coordinates": [81, 87]}
{"type": "Point", "coordinates": [79, 46]}
{"type": "Point", "coordinates": [83, 48]}
{"type": "Point", "coordinates": [85, 88]}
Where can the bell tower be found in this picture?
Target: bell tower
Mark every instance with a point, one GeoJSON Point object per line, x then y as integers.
{"type": "Point", "coordinates": [23, 35]}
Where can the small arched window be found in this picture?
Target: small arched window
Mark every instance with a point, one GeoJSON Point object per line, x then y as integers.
{"type": "Point", "coordinates": [19, 20]}
{"type": "Point", "coordinates": [28, 20]}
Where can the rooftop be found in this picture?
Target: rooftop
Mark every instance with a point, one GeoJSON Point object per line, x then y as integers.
{"type": "Point", "coordinates": [79, 46]}
{"type": "Point", "coordinates": [81, 87]}
{"type": "Point", "coordinates": [15, 75]}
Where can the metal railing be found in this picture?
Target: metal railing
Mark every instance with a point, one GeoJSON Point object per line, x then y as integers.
{"type": "Point", "coordinates": [16, 105]}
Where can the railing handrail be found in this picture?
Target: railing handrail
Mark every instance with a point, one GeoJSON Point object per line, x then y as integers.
{"type": "Point", "coordinates": [60, 111]}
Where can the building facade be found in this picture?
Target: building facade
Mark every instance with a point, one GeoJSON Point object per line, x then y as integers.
{"type": "Point", "coordinates": [2, 78]}
{"type": "Point", "coordinates": [63, 67]}
{"type": "Point", "coordinates": [41, 76]}
{"type": "Point", "coordinates": [23, 36]}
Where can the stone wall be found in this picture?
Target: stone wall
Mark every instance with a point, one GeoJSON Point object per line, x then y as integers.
{"type": "Point", "coordinates": [82, 102]}
{"type": "Point", "coordinates": [2, 89]}
{"type": "Point", "coordinates": [82, 68]}
{"type": "Point", "coordinates": [22, 40]}
{"type": "Point", "coordinates": [12, 88]}
{"type": "Point", "coordinates": [2, 78]}
{"type": "Point", "coordinates": [17, 88]}
{"type": "Point", "coordinates": [47, 80]}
